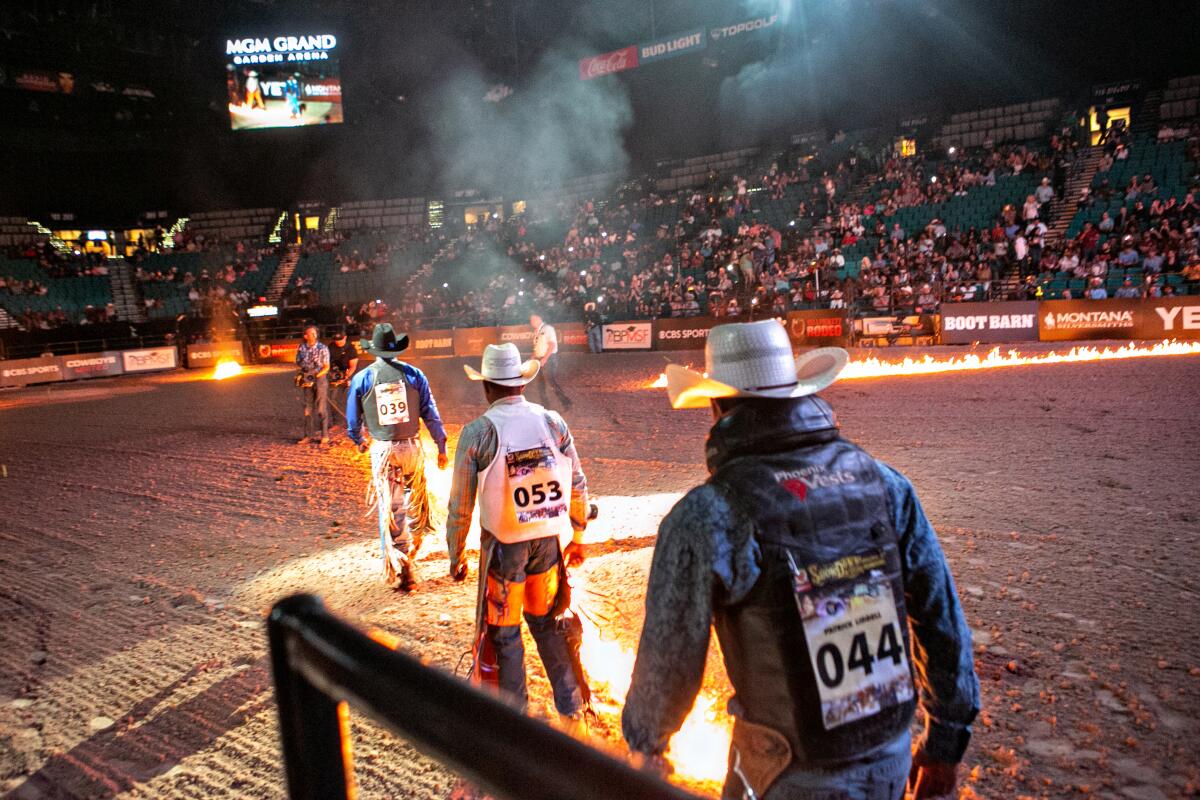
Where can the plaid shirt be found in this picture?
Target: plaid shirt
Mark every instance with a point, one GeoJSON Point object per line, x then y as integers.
{"type": "Point", "coordinates": [477, 446]}
{"type": "Point", "coordinates": [312, 360]}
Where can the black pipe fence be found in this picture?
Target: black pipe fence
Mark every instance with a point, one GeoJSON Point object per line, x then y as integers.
{"type": "Point", "coordinates": [318, 661]}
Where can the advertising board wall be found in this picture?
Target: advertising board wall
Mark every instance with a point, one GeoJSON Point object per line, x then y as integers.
{"type": "Point", "coordinates": [964, 323]}
{"type": "Point", "coordinates": [471, 341]}
{"type": "Point", "coordinates": [149, 359]}
{"type": "Point", "coordinates": [1068, 320]}
{"type": "Point", "coordinates": [281, 351]}
{"type": "Point", "coordinates": [682, 333]}
{"type": "Point", "coordinates": [1170, 318]}
{"type": "Point", "coordinates": [91, 365]}
{"type": "Point", "coordinates": [628, 336]}
{"type": "Point", "coordinates": [822, 327]}
{"type": "Point", "coordinates": [207, 355]}
{"type": "Point", "coordinates": [26, 371]}
{"type": "Point", "coordinates": [431, 343]}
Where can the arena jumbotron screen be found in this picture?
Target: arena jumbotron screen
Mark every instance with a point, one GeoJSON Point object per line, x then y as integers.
{"type": "Point", "coordinates": [283, 81]}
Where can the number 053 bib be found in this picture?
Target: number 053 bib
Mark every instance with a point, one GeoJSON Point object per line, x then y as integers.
{"type": "Point", "coordinates": [525, 493]}
{"type": "Point", "coordinates": [855, 642]}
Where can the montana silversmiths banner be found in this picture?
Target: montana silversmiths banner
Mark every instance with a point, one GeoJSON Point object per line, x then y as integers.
{"type": "Point", "coordinates": [1068, 320]}
{"type": "Point", "coordinates": [964, 323]}
{"type": "Point", "coordinates": [471, 341]}
{"type": "Point", "coordinates": [671, 46]}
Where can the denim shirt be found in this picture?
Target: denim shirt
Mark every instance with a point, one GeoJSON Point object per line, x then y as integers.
{"type": "Point", "coordinates": [706, 553]}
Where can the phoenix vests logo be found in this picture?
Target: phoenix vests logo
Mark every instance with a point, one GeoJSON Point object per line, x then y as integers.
{"type": "Point", "coordinates": [1088, 319]}
{"type": "Point", "coordinates": [800, 482]}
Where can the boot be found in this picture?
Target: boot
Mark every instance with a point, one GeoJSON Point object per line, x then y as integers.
{"type": "Point", "coordinates": [408, 576]}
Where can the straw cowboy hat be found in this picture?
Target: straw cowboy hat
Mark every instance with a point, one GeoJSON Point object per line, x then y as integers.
{"type": "Point", "coordinates": [753, 359]}
{"type": "Point", "coordinates": [384, 342]}
{"type": "Point", "coordinates": [502, 364]}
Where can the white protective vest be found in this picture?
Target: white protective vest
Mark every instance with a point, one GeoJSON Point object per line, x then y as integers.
{"type": "Point", "coordinates": [525, 493]}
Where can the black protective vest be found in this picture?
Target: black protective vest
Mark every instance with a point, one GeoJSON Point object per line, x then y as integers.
{"type": "Point", "coordinates": [820, 499]}
{"type": "Point", "coordinates": [375, 406]}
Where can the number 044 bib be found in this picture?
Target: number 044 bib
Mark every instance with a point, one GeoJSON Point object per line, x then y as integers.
{"type": "Point", "coordinates": [855, 643]}
{"type": "Point", "coordinates": [392, 403]}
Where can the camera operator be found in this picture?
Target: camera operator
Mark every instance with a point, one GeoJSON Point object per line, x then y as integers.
{"type": "Point", "coordinates": [343, 360]}
{"type": "Point", "coordinates": [312, 378]}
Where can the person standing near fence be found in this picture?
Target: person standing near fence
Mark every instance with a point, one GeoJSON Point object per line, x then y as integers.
{"type": "Point", "coordinates": [545, 351]}
{"type": "Point", "coordinates": [343, 360]}
{"type": "Point", "coordinates": [390, 398]}
{"type": "Point", "coordinates": [312, 361]}
{"type": "Point", "coordinates": [593, 322]}
{"type": "Point", "coordinates": [831, 598]}
{"type": "Point", "coordinates": [518, 461]}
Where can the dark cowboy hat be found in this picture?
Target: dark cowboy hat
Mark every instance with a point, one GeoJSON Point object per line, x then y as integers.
{"type": "Point", "coordinates": [384, 342]}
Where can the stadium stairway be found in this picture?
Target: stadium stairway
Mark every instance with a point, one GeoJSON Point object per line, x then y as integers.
{"type": "Point", "coordinates": [1145, 123]}
{"type": "Point", "coordinates": [283, 274]}
{"type": "Point", "coordinates": [6, 321]}
{"type": "Point", "coordinates": [126, 297]}
{"type": "Point", "coordinates": [1087, 161]}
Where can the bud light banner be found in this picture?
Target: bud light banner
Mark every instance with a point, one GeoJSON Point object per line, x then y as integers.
{"type": "Point", "coordinates": [608, 63]}
{"type": "Point", "coordinates": [671, 46]}
{"type": "Point", "coordinates": [964, 323]}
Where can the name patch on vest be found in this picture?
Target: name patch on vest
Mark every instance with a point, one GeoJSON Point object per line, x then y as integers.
{"type": "Point", "coordinates": [854, 639]}
{"type": "Point", "coordinates": [801, 481]}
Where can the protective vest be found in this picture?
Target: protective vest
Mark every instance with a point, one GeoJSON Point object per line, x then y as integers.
{"type": "Point", "coordinates": [818, 650]}
{"type": "Point", "coordinates": [392, 407]}
{"type": "Point", "coordinates": [525, 493]}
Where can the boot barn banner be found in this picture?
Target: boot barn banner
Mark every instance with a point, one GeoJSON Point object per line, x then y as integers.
{"type": "Point", "coordinates": [431, 343]}
{"type": "Point", "coordinates": [820, 327]}
{"type": "Point", "coordinates": [471, 341]}
{"type": "Point", "coordinates": [207, 355]}
{"type": "Point", "coordinates": [964, 323]}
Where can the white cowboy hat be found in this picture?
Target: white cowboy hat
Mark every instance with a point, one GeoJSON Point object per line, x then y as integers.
{"type": "Point", "coordinates": [502, 364]}
{"type": "Point", "coordinates": [753, 359]}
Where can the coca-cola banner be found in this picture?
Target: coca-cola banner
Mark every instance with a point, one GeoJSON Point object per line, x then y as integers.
{"type": "Point", "coordinates": [820, 327]}
{"type": "Point", "coordinates": [608, 63]}
{"type": "Point", "coordinates": [964, 323]}
{"type": "Point", "coordinates": [682, 333]}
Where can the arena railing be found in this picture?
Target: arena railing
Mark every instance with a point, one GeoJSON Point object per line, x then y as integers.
{"type": "Point", "coordinates": [319, 661]}
{"type": "Point", "coordinates": [78, 346]}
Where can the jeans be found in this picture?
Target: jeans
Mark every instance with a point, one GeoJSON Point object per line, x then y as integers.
{"type": "Point", "coordinates": [398, 479]}
{"type": "Point", "coordinates": [596, 339]}
{"type": "Point", "coordinates": [549, 375]}
{"type": "Point", "coordinates": [881, 778]}
{"type": "Point", "coordinates": [511, 563]}
{"type": "Point", "coordinates": [316, 403]}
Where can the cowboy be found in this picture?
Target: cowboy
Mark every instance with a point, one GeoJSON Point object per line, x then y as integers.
{"type": "Point", "coordinates": [518, 461]}
{"type": "Point", "coordinates": [817, 567]}
{"type": "Point", "coordinates": [545, 350]}
{"type": "Point", "coordinates": [387, 398]}
{"type": "Point", "coordinates": [312, 378]}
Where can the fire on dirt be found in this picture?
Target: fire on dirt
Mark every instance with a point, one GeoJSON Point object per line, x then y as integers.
{"type": "Point", "coordinates": [928, 365]}
{"type": "Point", "coordinates": [226, 368]}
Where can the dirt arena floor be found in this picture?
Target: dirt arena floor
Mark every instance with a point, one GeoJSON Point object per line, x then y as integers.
{"type": "Point", "coordinates": [149, 524]}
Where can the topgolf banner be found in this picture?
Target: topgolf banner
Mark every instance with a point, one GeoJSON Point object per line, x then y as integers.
{"type": "Point", "coordinates": [725, 32]}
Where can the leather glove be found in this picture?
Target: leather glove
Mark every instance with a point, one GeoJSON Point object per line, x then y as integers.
{"type": "Point", "coordinates": [929, 779]}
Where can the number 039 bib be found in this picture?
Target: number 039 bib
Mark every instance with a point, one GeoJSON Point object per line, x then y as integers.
{"type": "Point", "coordinates": [391, 400]}
{"type": "Point", "coordinates": [855, 643]}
